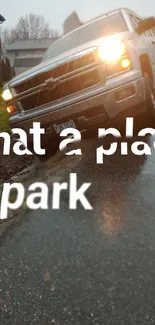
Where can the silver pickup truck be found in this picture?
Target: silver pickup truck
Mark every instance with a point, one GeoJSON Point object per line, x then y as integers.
{"type": "Point", "coordinates": [96, 74]}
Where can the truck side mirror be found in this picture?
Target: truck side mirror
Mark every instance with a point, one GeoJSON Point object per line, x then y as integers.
{"type": "Point", "coordinates": [145, 25]}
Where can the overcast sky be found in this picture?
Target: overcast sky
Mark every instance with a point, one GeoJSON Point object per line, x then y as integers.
{"type": "Point", "coordinates": [56, 11]}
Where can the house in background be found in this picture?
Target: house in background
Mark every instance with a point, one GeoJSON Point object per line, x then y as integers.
{"type": "Point", "coordinates": [23, 63]}
{"type": "Point", "coordinates": [24, 54]}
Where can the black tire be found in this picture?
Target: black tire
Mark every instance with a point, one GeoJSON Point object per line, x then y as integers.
{"type": "Point", "coordinates": [50, 147]}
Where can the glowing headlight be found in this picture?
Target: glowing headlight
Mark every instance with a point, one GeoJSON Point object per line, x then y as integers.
{"type": "Point", "coordinates": [7, 95]}
{"type": "Point", "coordinates": [111, 49]}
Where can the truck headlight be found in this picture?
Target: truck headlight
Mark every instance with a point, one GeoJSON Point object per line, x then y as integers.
{"type": "Point", "coordinates": [111, 49]}
{"type": "Point", "coordinates": [7, 95]}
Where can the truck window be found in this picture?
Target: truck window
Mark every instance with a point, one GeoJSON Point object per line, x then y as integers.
{"type": "Point", "coordinates": [148, 33]}
{"type": "Point", "coordinates": [112, 24]}
{"type": "Point", "coordinates": [134, 21]}
{"type": "Point", "coordinates": [153, 31]}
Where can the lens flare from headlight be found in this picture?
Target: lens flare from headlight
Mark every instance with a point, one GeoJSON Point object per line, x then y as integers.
{"type": "Point", "coordinates": [125, 64]}
{"type": "Point", "coordinates": [7, 95]}
{"type": "Point", "coordinates": [111, 49]}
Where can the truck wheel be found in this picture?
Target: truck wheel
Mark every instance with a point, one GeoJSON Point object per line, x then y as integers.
{"type": "Point", "coordinates": [51, 149]}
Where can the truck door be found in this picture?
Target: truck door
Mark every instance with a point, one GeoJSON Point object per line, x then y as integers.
{"type": "Point", "coordinates": [147, 43]}
{"type": "Point", "coordinates": [151, 40]}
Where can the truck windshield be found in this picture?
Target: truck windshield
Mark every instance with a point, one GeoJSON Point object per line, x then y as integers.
{"type": "Point", "coordinates": [112, 24]}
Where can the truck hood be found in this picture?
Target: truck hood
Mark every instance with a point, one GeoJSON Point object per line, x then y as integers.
{"type": "Point", "coordinates": [60, 59]}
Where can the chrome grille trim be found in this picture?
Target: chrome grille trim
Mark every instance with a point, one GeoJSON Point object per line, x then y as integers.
{"type": "Point", "coordinates": [52, 83]}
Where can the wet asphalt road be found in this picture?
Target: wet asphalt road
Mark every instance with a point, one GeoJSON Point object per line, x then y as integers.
{"type": "Point", "coordinates": [86, 267]}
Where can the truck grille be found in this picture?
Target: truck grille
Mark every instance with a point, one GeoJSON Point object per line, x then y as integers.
{"type": "Point", "coordinates": [74, 76]}
{"type": "Point", "coordinates": [60, 91]}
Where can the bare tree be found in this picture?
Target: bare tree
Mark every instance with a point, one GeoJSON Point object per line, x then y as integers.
{"type": "Point", "coordinates": [5, 36]}
{"type": "Point", "coordinates": [31, 26]}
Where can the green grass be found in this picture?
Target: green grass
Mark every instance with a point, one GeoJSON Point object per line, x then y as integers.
{"type": "Point", "coordinates": [3, 115]}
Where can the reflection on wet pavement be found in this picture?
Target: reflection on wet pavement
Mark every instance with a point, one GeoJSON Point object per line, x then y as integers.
{"type": "Point", "coordinates": [86, 267]}
{"type": "Point", "coordinates": [111, 184]}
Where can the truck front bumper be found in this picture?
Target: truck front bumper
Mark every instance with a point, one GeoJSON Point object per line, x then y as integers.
{"type": "Point", "coordinates": [123, 101]}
